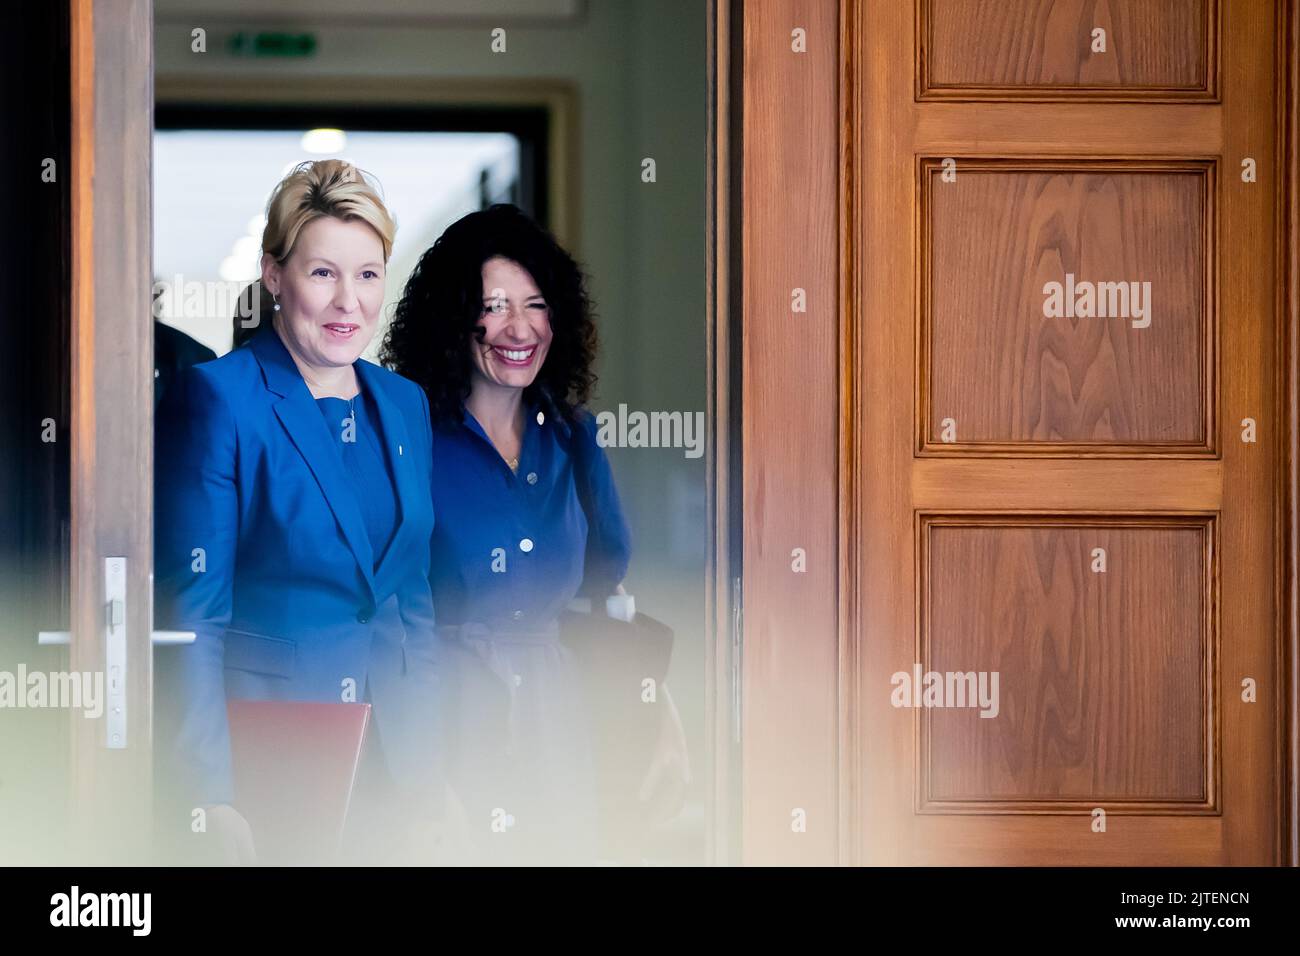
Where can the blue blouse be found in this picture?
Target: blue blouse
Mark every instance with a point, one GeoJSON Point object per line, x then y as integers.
{"type": "Point", "coordinates": [367, 466]}
{"type": "Point", "coordinates": [512, 549]}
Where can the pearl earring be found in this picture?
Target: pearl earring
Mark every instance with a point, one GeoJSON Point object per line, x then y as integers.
{"type": "Point", "coordinates": [276, 307]}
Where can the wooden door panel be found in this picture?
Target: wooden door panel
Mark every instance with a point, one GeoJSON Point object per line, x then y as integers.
{"type": "Point", "coordinates": [1045, 48]}
{"type": "Point", "coordinates": [1122, 365]}
{"type": "Point", "coordinates": [972, 551]}
{"type": "Point", "coordinates": [1104, 662]}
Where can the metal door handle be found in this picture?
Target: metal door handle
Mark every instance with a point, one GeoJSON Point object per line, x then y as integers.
{"type": "Point", "coordinates": [49, 638]}
{"type": "Point", "coordinates": [115, 662]}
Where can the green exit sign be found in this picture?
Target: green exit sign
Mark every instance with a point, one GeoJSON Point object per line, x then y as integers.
{"type": "Point", "coordinates": [269, 43]}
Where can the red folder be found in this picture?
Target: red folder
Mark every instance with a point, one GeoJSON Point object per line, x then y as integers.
{"type": "Point", "coordinates": [295, 764]}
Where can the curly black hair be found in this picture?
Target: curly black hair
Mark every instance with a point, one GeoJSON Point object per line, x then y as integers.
{"type": "Point", "coordinates": [429, 338]}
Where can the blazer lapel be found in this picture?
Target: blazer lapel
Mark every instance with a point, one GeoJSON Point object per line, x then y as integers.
{"type": "Point", "coordinates": [310, 434]}
{"type": "Point", "coordinates": [397, 444]}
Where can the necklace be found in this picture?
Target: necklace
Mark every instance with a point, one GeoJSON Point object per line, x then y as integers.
{"type": "Point", "coordinates": [511, 462]}
{"type": "Point", "coordinates": [352, 408]}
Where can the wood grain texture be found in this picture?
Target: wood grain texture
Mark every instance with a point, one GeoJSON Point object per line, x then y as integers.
{"type": "Point", "coordinates": [1043, 49]}
{"type": "Point", "coordinates": [1016, 381]}
{"type": "Point", "coordinates": [790, 434]}
{"type": "Point", "coordinates": [1288, 400]}
{"type": "Point", "coordinates": [1236, 817]}
{"type": "Point", "coordinates": [112, 406]}
{"type": "Point", "coordinates": [1250, 369]}
{"type": "Point", "coordinates": [1067, 484]}
{"type": "Point", "coordinates": [1105, 693]}
{"type": "Point", "coordinates": [1071, 130]}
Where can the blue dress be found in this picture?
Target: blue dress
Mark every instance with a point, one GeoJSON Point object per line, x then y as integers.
{"type": "Point", "coordinates": [356, 432]}
{"type": "Point", "coordinates": [509, 552]}
{"type": "Point", "coordinates": [355, 429]}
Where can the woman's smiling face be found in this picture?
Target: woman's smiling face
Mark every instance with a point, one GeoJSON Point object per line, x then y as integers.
{"type": "Point", "coordinates": [516, 324]}
{"type": "Point", "coordinates": [331, 290]}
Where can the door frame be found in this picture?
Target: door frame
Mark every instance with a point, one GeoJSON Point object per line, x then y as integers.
{"type": "Point", "coordinates": [1288, 493]}
{"type": "Point", "coordinates": [723, 558]}
{"type": "Point", "coordinates": [111, 367]}
{"type": "Point", "coordinates": [769, 757]}
{"type": "Point", "coordinates": [111, 241]}
{"type": "Point", "coordinates": [557, 98]}
{"type": "Point", "coordinates": [789, 479]}
{"type": "Point", "coordinates": [111, 257]}
{"type": "Point", "coordinates": [1286, 677]}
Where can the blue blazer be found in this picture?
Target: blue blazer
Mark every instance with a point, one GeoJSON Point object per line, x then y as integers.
{"type": "Point", "coordinates": [261, 550]}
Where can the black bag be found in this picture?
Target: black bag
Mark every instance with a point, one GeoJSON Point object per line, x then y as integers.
{"type": "Point", "coordinates": [621, 667]}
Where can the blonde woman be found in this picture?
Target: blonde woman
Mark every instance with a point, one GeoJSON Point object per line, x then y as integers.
{"type": "Point", "coordinates": [293, 513]}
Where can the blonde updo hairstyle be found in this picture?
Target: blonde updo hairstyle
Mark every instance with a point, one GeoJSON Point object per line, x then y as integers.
{"type": "Point", "coordinates": [323, 187]}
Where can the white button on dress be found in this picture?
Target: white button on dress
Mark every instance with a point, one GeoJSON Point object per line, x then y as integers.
{"type": "Point", "coordinates": [526, 545]}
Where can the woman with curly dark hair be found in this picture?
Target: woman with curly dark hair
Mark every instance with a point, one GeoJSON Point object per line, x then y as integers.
{"type": "Point", "coordinates": [496, 325]}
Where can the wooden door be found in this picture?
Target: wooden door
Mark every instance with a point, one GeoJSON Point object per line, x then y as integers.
{"type": "Point", "coordinates": [111, 424]}
{"type": "Point", "coordinates": [1035, 421]}
{"type": "Point", "coordinates": [1063, 433]}
{"type": "Point", "coordinates": [76, 473]}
